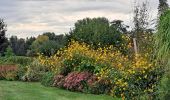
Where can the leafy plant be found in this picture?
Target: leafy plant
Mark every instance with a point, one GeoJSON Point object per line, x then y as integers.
{"type": "Point", "coordinates": [76, 81]}
{"type": "Point", "coordinates": [34, 72]}
{"type": "Point", "coordinates": [9, 52]}
{"type": "Point", "coordinates": [59, 81]}
{"type": "Point", "coordinates": [8, 72]}
{"type": "Point", "coordinates": [47, 79]}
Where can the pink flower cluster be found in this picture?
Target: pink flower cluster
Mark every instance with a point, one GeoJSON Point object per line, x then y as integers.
{"type": "Point", "coordinates": [74, 80]}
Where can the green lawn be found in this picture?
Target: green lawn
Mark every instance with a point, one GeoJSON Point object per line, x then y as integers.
{"type": "Point", "coordinates": [13, 90]}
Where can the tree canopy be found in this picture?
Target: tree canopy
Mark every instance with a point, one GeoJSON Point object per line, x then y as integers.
{"type": "Point", "coordinates": [98, 31]}
{"type": "Point", "coordinates": [3, 39]}
{"type": "Point", "coordinates": [163, 6]}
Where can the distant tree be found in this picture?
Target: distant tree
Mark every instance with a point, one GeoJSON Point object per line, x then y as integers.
{"type": "Point", "coordinates": [51, 35]}
{"type": "Point", "coordinates": [47, 44]}
{"type": "Point", "coordinates": [29, 42]}
{"type": "Point", "coordinates": [9, 52]}
{"type": "Point", "coordinates": [18, 46]}
{"type": "Point", "coordinates": [49, 48]}
{"type": "Point", "coordinates": [3, 39]}
{"type": "Point", "coordinates": [36, 45]}
{"type": "Point", "coordinates": [22, 50]}
{"type": "Point", "coordinates": [163, 6]}
{"type": "Point", "coordinates": [60, 39]}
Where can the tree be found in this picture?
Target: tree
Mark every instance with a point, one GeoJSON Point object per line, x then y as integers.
{"type": "Point", "coordinates": [36, 45]}
{"type": "Point", "coordinates": [60, 39]}
{"type": "Point", "coordinates": [49, 48]}
{"type": "Point", "coordinates": [51, 35]}
{"type": "Point", "coordinates": [9, 52]}
{"type": "Point", "coordinates": [29, 42]}
{"type": "Point", "coordinates": [163, 6]}
{"type": "Point", "coordinates": [141, 33]}
{"type": "Point", "coordinates": [3, 39]}
{"type": "Point", "coordinates": [18, 46]}
{"type": "Point", "coordinates": [118, 24]}
{"type": "Point", "coordinates": [97, 31]}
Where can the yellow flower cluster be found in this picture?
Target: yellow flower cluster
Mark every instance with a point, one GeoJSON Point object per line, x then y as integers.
{"type": "Point", "coordinates": [105, 55]}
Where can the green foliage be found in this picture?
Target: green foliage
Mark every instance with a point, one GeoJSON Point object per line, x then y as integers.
{"type": "Point", "coordinates": [100, 87]}
{"type": "Point", "coordinates": [162, 45]}
{"type": "Point", "coordinates": [78, 63]}
{"type": "Point", "coordinates": [21, 63]}
{"type": "Point", "coordinates": [36, 45]}
{"type": "Point", "coordinates": [34, 72]}
{"type": "Point", "coordinates": [163, 6]}
{"type": "Point", "coordinates": [49, 48]}
{"type": "Point", "coordinates": [22, 69]}
{"type": "Point", "coordinates": [96, 31]}
{"type": "Point", "coordinates": [11, 76]}
{"type": "Point", "coordinates": [47, 79]}
{"type": "Point", "coordinates": [60, 39]}
{"type": "Point", "coordinates": [164, 87]}
{"type": "Point", "coordinates": [9, 52]}
{"type": "Point", "coordinates": [18, 46]}
{"type": "Point", "coordinates": [16, 60]}
{"type": "Point", "coordinates": [86, 64]}
{"type": "Point", "coordinates": [46, 44]}
{"type": "Point", "coordinates": [162, 41]}
{"type": "Point", "coordinates": [3, 39]}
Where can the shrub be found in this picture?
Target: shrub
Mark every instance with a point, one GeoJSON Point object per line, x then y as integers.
{"type": "Point", "coordinates": [164, 87]}
{"type": "Point", "coordinates": [47, 79]}
{"type": "Point", "coordinates": [124, 76]}
{"type": "Point", "coordinates": [34, 72]}
{"type": "Point", "coordinates": [16, 60]}
{"type": "Point", "coordinates": [22, 69]}
{"type": "Point", "coordinates": [77, 63]}
{"type": "Point", "coordinates": [76, 81]}
{"type": "Point", "coordinates": [11, 76]}
{"type": "Point", "coordinates": [101, 87]}
{"type": "Point", "coordinates": [8, 72]}
{"type": "Point", "coordinates": [59, 81]}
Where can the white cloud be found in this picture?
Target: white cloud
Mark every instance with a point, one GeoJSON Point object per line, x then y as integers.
{"type": "Point", "coordinates": [33, 17]}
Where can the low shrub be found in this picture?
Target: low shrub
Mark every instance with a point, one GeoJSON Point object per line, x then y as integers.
{"type": "Point", "coordinates": [8, 72]}
{"type": "Point", "coordinates": [34, 72]}
{"type": "Point", "coordinates": [59, 81]}
{"type": "Point", "coordinates": [47, 79]}
{"type": "Point", "coordinates": [16, 60]}
{"type": "Point", "coordinates": [164, 87]}
{"type": "Point", "coordinates": [77, 81]}
{"type": "Point", "coordinates": [101, 87]}
{"type": "Point", "coordinates": [22, 69]}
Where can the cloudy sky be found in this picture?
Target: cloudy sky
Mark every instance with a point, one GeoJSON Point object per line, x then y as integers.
{"type": "Point", "coordinates": [27, 18]}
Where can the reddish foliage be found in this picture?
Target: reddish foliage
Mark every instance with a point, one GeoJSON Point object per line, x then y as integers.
{"type": "Point", "coordinates": [92, 80]}
{"type": "Point", "coordinates": [5, 69]}
{"type": "Point", "coordinates": [58, 81]}
{"type": "Point", "coordinates": [75, 80]}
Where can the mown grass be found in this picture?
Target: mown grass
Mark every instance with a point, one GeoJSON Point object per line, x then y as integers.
{"type": "Point", "coordinates": [14, 90]}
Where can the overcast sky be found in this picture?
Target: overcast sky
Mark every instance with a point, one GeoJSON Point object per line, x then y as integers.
{"type": "Point", "coordinates": [27, 18]}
